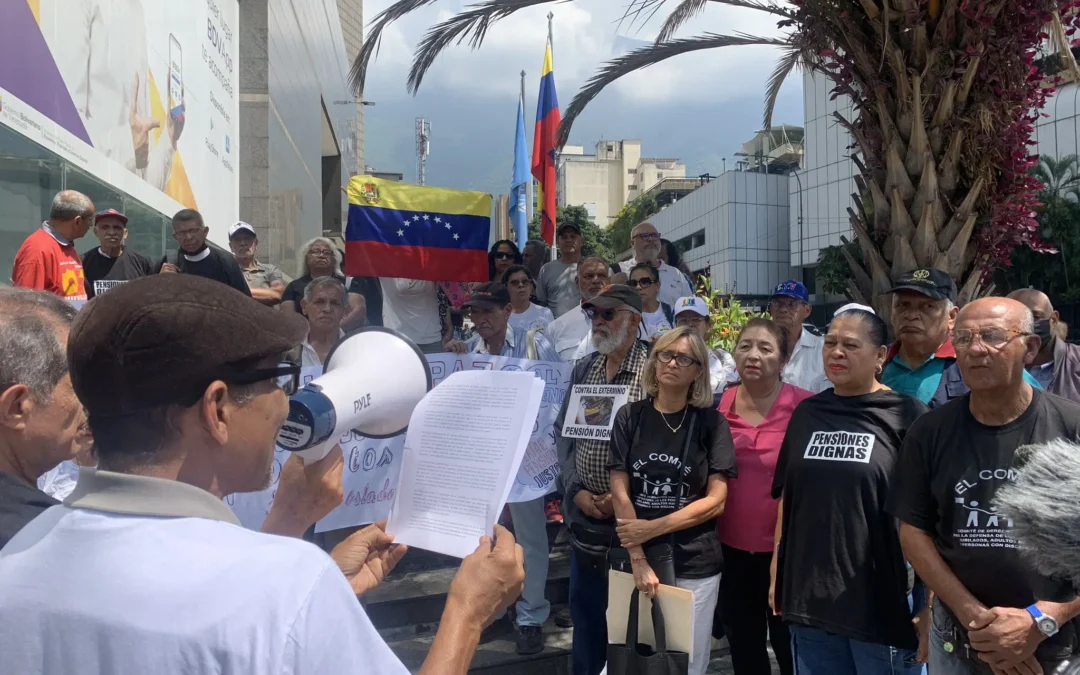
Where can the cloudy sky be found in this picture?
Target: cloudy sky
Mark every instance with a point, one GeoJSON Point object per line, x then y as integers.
{"type": "Point", "coordinates": [699, 107]}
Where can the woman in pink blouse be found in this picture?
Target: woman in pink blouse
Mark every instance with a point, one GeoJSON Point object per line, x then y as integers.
{"type": "Point", "coordinates": [757, 410]}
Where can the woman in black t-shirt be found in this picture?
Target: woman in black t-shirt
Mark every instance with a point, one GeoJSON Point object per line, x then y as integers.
{"type": "Point", "coordinates": [839, 576]}
{"type": "Point", "coordinates": [671, 456]}
{"type": "Point", "coordinates": [318, 258]}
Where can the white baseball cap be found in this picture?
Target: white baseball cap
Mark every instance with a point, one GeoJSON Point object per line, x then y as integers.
{"type": "Point", "coordinates": [854, 305]}
{"type": "Point", "coordinates": [691, 304]}
{"type": "Point", "coordinates": [241, 226]}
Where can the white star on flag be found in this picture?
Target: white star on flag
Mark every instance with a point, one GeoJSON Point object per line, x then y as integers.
{"type": "Point", "coordinates": [438, 220]}
{"type": "Point", "coordinates": [448, 226]}
{"type": "Point", "coordinates": [401, 233]}
{"type": "Point", "coordinates": [425, 216]}
{"type": "Point", "coordinates": [415, 218]}
{"type": "Point", "coordinates": [455, 235]}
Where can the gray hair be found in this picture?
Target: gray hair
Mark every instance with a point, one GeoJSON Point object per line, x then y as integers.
{"type": "Point", "coordinates": [30, 354]}
{"type": "Point", "coordinates": [319, 282]}
{"type": "Point", "coordinates": [307, 247]}
{"type": "Point", "coordinates": [69, 205]}
{"type": "Point", "coordinates": [538, 244]}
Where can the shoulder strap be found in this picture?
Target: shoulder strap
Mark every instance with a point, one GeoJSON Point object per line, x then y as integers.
{"type": "Point", "coordinates": [530, 344]}
{"type": "Point", "coordinates": [669, 313]}
{"type": "Point", "coordinates": [682, 457]}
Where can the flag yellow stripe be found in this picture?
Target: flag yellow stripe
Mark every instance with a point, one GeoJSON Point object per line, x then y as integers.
{"type": "Point", "coordinates": [548, 67]}
{"type": "Point", "coordinates": [389, 194]}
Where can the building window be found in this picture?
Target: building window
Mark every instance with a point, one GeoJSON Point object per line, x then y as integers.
{"type": "Point", "coordinates": [691, 241]}
{"type": "Point", "coordinates": [631, 187]}
{"type": "Point", "coordinates": [631, 172]}
{"type": "Point", "coordinates": [660, 176]}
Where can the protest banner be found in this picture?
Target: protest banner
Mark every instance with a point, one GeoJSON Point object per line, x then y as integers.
{"type": "Point", "coordinates": [372, 466]}
{"type": "Point", "coordinates": [592, 408]}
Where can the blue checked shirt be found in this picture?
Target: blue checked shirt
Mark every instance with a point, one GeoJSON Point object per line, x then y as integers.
{"type": "Point", "coordinates": [516, 345]}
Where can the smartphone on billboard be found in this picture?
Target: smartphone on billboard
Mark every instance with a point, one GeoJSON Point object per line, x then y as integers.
{"type": "Point", "coordinates": [176, 80]}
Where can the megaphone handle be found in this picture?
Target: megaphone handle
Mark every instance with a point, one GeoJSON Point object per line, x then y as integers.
{"type": "Point", "coordinates": [314, 454]}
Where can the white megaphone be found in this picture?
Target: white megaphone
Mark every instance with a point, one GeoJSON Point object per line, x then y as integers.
{"type": "Point", "coordinates": [371, 383]}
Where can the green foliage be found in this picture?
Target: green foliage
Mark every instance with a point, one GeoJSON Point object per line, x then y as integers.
{"type": "Point", "coordinates": [596, 240]}
{"type": "Point", "coordinates": [833, 270]}
{"type": "Point", "coordinates": [627, 219]}
{"type": "Point", "coordinates": [726, 314]}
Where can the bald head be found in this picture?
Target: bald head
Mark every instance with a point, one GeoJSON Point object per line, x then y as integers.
{"type": "Point", "coordinates": [646, 242]}
{"type": "Point", "coordinates": [994, 342]}
{"type": "Point", "coordinates": [71, 214]}
{"type": "Point", "coordinates": [1003, 312]}
{"type": "Point", "coordinates": [1035, 300]}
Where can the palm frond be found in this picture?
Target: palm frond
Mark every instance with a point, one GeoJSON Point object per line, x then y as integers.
{"type": "Point", "coordinates": [686, 10]}
{"type": "Point", "coordinates": [787, 63]}
{"type": "Point", "coordinates": [636, 12]}
{"type": "Point", "coordinates": [643, 57]}
{"type": "Point", "coordinates": [471, 24]}
{"type": "Point", "coordinates": [370, 48]}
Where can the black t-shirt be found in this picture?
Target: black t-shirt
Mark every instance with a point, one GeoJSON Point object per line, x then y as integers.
{"type": "Point", "coordinates": [841, 568]}
{"type": "Point", "coordinates": [656, 487]}
{"type": "Point", "coordinates": [945, 482]}
{"type": "Point", "coordinates": [99, 267]}
{"type": "Point", "coordinates": [371, 289]}
{"type": "Point", "coordinates": [20, 503]}
{"type": "Point", "coordinates": [218, 265]}
{"type": "Point", "coordinates": [294, 292]}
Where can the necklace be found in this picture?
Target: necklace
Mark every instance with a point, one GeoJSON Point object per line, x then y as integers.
{"type": "Point", "coordinates": [674, 430]}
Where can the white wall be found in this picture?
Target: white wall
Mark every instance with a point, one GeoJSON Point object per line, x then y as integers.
{"type": "Point", "coordinates": [745, 218]}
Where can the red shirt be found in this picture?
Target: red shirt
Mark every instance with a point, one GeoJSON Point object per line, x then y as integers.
{"type": "Point", "coordinates": [749, 520]}
{"type": "Point", "coordinates": [44, 264]}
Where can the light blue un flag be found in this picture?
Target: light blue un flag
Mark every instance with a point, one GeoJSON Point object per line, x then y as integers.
{"type": "Point", "coordinates": [519, 185]}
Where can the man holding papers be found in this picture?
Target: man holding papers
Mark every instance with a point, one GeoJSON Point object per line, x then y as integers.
{"type": "Point", "coordinates": [600, 384]}
{"type": "Point", "coordinates": [144, 569]}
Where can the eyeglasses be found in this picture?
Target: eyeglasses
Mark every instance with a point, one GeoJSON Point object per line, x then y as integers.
{"type": "Point", "coordinates": [644, 283]}
{"type": "Point", "coordinates": [682, 360]}
{"type": "Point", "coordinates": [184, 234]}
{"type": "Point", "coordinates": [605, 314]}
{"type": "Point", "coordinates": [500, 255]}
{"type": "Point", "coordinates": [320, 253]}
{"type": "Point", "coordinates": [519, 283]}
{"type": "Point", "coordinates": [990, 336]}
{"type": "Point", "coordinates": [287, 375]}
{"type": "Point", "coordinates": [647, 236]}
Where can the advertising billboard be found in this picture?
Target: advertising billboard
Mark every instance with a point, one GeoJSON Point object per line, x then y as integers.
{"type": "Point", "coordinates": [142, 94]}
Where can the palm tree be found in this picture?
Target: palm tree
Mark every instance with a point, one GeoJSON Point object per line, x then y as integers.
{"type": "Point", "coordinates": [1059, 196]}
{"type": "Point", "coordinates": [945, 94]}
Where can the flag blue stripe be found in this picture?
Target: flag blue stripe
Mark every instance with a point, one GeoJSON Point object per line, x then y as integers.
{"type": "Point", "coordinates": [372, 223]}
{"type": "Point", "coordinates": [548, 100]}
{"type": "Point", "coordinates": [520, 178]}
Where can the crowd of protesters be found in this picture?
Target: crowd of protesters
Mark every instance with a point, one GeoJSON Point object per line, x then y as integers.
{"type": "Point", "coordinates": [832, 495]}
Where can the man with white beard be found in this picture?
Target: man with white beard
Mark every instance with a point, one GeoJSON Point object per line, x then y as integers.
{"type": "Point", "coordinates": [646, 242]}
{"type": "Point", "coordinates": [584, 479]}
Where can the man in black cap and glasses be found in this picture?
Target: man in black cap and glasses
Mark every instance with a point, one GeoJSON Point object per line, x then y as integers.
{"type": "Point", "coordinates": [144, 569]}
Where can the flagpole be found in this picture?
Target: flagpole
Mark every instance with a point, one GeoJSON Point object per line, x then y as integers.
{"type": "Point", "coordinates": [555, 235]}
{"type": "Point", "coordinates": [529, 184]}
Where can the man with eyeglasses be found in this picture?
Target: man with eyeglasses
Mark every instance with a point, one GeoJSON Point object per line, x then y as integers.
{"type": "Point", "coordinates": [646, 242]}
{"type": "Point", "coordinates": [584, 480]}
{"type": "Point", "coordinates": [991, 608]}
{"type": "Point", "coordinates": [555, 285]}
{"type": "Point", "coordinates": [145, 569]}
{"type": "Point", "coordinates": [567, 332]}
{"type": "Point", "coordinates": [197, 257]}
{"type": "Point", "coordinates": [922, 361]}
{"type": "Point", "coordinates": [789, 307]}
{"type": "Point", "coordinates": [656, 317]}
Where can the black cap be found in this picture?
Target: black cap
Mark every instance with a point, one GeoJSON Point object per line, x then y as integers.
{"type": "Point", "coordinates": [568, 226]}
{"type": "Point", "coordinates": [162, 339]}
{"type": "Point", "coordinates": [929, 281]}
{"type": "Point", "coordinates": [491, 295]}
{"type": "Point", "coordinates": [614, 295]}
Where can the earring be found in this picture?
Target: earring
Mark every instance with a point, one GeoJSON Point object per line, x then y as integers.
{"type": "Point", "coordinates": [878, 370]}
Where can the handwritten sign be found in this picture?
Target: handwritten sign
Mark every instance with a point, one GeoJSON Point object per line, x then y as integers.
{"type": "Point", "coordinates": [373, 466]}
{"type": "Point", "coordinates": [591, 412]}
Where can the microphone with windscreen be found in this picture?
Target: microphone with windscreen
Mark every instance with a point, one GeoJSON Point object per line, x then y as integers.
{"type": "Point", "coordinates": [372, 381]}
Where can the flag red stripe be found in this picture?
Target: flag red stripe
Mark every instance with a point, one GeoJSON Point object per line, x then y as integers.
{"type": "Point", "coordinates": [543, 169]}
{"type": "Point", "coordinates": [375, 259]}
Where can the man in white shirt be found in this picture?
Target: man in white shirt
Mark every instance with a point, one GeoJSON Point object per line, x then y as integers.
{"type": "Point", "coordinates": [323, 306]}
{"type": "Point", "coordinates": [555, 286]}
{"type": "Point", "coordinates": [411, 307]}
{"type": "Point", "coordinates": [789, 308]}
{"type": "Point", "coordinates": [567, 331]}
{"type": "Point", "coordinates": [693, 313]}
{"type": "Point", "coordinates": [144, 569]}
{"type": "Point", "coordinates": [646, 242]}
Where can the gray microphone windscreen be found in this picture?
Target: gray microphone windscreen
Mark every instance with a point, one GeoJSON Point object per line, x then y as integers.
{"type": "Point", "coordinates": [1043, 503]}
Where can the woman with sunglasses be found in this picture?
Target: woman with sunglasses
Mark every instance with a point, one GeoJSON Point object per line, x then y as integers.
{"type": "Point", "coordinates": [656, 317]}
{"type": "Point", "coordinates": [502, 255]}
{"type": "Point", "coordinates": [758, 410]}
{"type": "Point", "coordinates": [527, 314]}
{"type": "Point", "coordinates": [671, 458]}
{"type": "Point", "coordinates": [839, 576]}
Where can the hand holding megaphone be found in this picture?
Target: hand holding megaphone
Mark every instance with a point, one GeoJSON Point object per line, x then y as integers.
{"type": "Point", "coordinates": [370, 384]}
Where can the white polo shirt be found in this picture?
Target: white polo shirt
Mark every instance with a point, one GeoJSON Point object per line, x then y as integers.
{"type": "Point", "coordinates": [85, 590]}
{"type": "Point", "coordinates": [673, 283]}
{"type": "Point", "coordinates": [806, 368]}
{"type": "Point", "coordinates": [566, 332]}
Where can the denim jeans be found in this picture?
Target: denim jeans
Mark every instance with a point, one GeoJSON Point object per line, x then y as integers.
{"type": "Point", "coordinates": [817, 652]}
{"type": "Point", "coordinates": [588, 609]}
{"type": "Point", "coordinates": [530, 530]}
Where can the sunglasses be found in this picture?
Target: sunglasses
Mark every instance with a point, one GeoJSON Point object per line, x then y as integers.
{"type": "Point", "coordinates": [499, 255]}
{"type": "Point", "coordinates": [519, 283]}
{"type": "Point", "coordinates": [644, 283]}
{"type": "Point", "coordinates": [605, 314]}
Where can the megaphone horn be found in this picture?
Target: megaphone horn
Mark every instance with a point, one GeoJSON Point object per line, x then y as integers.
{"type": "Point", "coordinates": [371, 382]}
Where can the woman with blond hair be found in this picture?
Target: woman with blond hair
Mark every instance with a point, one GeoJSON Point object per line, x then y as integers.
{"type": "Point", "coordinates": [671, 457]}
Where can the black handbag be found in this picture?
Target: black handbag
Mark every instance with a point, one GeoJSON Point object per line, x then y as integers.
{"type": "Point", "coordinates": [634, 658]}
{"type": "Point", "coordinates": [659, 554]}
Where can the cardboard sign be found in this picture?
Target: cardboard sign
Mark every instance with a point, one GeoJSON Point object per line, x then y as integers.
{"type": "Point", "coordinates": [591, 412]}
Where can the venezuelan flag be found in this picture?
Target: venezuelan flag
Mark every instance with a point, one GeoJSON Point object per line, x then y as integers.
{"type": "Point", "coordinates": [543, 161]}
{"type": "Point", "coordinates": [414, 232]}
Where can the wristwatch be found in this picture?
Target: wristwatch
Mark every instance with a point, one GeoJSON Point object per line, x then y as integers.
{"type": "Point", "coordinates": [1046, 624]}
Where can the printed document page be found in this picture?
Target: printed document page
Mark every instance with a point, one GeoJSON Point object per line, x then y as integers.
{"type": "Point", "coordinates": [465, 442]}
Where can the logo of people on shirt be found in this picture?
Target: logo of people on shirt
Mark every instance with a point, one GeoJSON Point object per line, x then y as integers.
{"type": "Point", "coordinates": [976, 524]}
{"type": "Point", "coordinates": [840, 446]}
{"type": "Point", "coordinates": [661, 488]}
